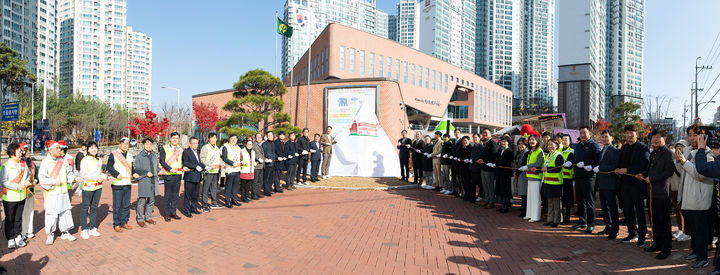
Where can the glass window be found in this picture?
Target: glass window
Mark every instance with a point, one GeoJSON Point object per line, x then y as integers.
{"type": "Point", "coordinates": [397, 69]}
{"type": "Point", "coordinates": [372, 64]}
{"type": "Point", "coordinates": [427, 78]}
{"type": "Point", "coordinates": [405, 72]}
{"type": "Point", "coordinates": [433, 74]}
{"type": "Point", "coordinates": [412, 73]}
{"type": "Point", "coordinates": [380, 65]}
{"type": "Point", "coordinates": [352, 60]}
{"type": "Point", "coordinates": [446, 83]}
{"type": "Point", "coordinates": [342, 58]}
{"type": "Point", "coordinates": [420, 76]}
{"type": "Point", "coordinates": [389, 67]}
{"type": "Point", "coordinates": [362, 62]}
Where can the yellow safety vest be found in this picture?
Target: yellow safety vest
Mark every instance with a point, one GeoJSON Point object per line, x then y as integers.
{"type": "Point", "coordinates": [94, 163]}
{"type": "Point", "coordinates": [567, 173]}
{"type": "Point", "coordinates": [552, 178]}
{"type": "Point", "coordinates": [532, 159]}
{"type": "Point", "coordinates": [213, 158]}
{"type": "Point", "coordinates": [12, 171]}
{"type": "Point", "coordinates": [233, 154]}
{"type": "Point", "coordinates": [247, 165]}
{"type": "Point", "coordinates": [125, 173]}
{"type": "Point", "coordinates": [177, 164]}
{"type": "Point", "coordinates": [48, 164]}
{"type": "Point", "coordinates": [70, 161]}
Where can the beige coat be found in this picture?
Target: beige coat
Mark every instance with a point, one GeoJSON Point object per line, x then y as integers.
{"type": "Point", "coordinates": [437, 152]}
{"type": "Point", "coordinates": [327, 142]}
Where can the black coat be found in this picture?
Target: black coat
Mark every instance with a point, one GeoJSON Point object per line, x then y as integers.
{"type": "Point", "coordinates": [269, 150]}
{"type": "Point", "coordinates": [503, 177]}
{"type": "Point", "coordinates": [464, 153]}
{"type": "Point", "coordinates": [191, 162]}
{"type": "Point", "coordinates": [488, 154]}
{"type": "Point", "coordinates": [280, 152]}
{"type": "Point", "coordinates": [447, 149]}
{"type": "Point", "coordinates": [661, 167]}
{"type": "Point", "coordinates": [608, 162]}
{"type": "Point", "coordinates": [426, 161]}
{"type": "Point", "coordinates": [475, 155]}
{"type": "Point", "coordinates": [291, 150]}
{"type": "Point", "coordinates": [417, 158]}
{"type": "Point", "coordinates": [403, 151]}
{"type": "Point", "coordinates": [303, 144]}
{"type": "Point", "coordinates": [588, 153]}
{"type": "Point", "coordinates": [635, 159]}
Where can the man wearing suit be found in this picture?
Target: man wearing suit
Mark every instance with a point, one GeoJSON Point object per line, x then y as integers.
{"type": "Point", "coordinates": [171, 163]}
{"type": "Point", "coordinates": [436, 154]}
{"type": "Point", "coordinates": [403, 147]}
{"type": "Point", "coordinates": [315, 157]}
{"type": "Point", "coordinates": [192, 178]}
{"type": "Point", "coordinates": [303, 148]}
{"type": "Point", "coordinates": [258, 173]}
{"type": "Point", "coordinates": [417, 157]}
{"type": "Point", "coordinates": [280, 164]}
{"type": "Point", "coordinates": [268, 147]}
{"type": "Point", "coordinates": [634, 157]}
{"type": "Point", "coordinates": [327, 142]}
{"type": "Point", "coordinates": [488, 155]}
{"type": "Point", "coordinates": [587, 153]}
{"type": "Point", "coordinates": [457, 146]}
{"type": "Point", "coordinates": [609, 160]}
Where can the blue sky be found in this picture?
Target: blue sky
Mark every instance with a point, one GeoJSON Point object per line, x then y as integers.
{"type": "Point", "coordinates": [201, 48]}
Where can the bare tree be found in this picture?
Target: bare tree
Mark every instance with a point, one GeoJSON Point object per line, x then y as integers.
{"type": "Point", "coordinates": [180, 118]}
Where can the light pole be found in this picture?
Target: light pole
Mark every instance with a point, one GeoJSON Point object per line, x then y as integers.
{"type": "Point", "coordinates": [696, 90]}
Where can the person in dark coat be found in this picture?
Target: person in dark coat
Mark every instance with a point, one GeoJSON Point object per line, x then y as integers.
{"type": "Point", "coordinates": [303, 148]}
{"type": "Point", "coordinates": [608, 184]}
{"type": "Point", "coordinates": [520, 177]}
{"type": "Point", "coordinates": [146, 168]}
{"type": "Point", "coordinates": [446, 164]}
{"type": "Point", "coordinates": [464, 155]}
{"type": "Point", "coordinates": [315, 157]}
{"type": "Point", "coordinates": [280, 165]}
{"type": "Point", "coordinates": [268, 147]}
{"type": "Point", "coordinates": [503, 176]}
{"type": "Point", "coordinates": [427, 166]}
{"type": "Point", "coordinates": [661, 167]}
{"type": "Point", "coordinates": [455, 179]}
{"type": "Point", "coordinates": [587, 153]}
{"type": "Point", "coordinates": [417, 157]}
{"type": "Point", "coordinates": [488, 155]}
{"type": "Point", "coordinates": [476, 180]}
{"type": "Point", "coordinates": [192, 178]}
{"type": "Point", "coordinates": [634, 157]}
{"type": "Point", "coordinates": [292, 159]}
{"type": "Point", "coordinates": [403, 147]}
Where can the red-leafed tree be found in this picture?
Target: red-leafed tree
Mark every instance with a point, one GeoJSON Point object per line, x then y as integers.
{"type": "Point", "coordinates": [206, 116]}
{"type": "Point", "coordinates": [148, 126]}
{"type": "Point", "coordinates": [601, 125]}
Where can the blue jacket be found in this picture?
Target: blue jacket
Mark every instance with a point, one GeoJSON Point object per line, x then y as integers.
{"type": "Point", "coordinates": [608, 163]}
{"type": "Point", "coordinates": [317, 156]}
{"type": "Point", "coordinates": [705, 168]}
{"type": "Point", "coordinates": [589, 153]}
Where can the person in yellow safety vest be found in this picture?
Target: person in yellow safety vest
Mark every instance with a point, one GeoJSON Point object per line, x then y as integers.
{"type": "Point", "coordinates": [568, 198]}
{"type": "Point", "coordinates": [532, 166]}
{"type": "Point", "coordinates": [14, 177]}
{"type": "Point", "coordinates": [71, 163]}
{"type": "Point", "coordinates": [92, 173]}
{"type": "Point", "coordinates": [28, 215]}
{"type": "Point", "coordinates": [553, 181]}
{"type": "Point", "coordinates": [119, 167]}
{"type": "Point", "coordinates": [54, 177]}
{"type": "Point", "coordinates": [171, 163]}
{"type": "Point", "coordinates": [210, 157]}
{"type": "Point", "coordinates": [247, 167]}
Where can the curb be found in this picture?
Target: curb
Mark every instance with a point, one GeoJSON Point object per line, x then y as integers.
{"type": "Point", "coordinates": [400, 187]}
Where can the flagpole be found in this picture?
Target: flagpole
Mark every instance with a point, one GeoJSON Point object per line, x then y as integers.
{"type": "Point", "coordinates": [276, 47]}
{"type": "Point", "coordinates": [307, 101]}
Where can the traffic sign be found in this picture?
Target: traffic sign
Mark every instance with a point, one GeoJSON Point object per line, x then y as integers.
{"type": "Point", "coordinates": [10, 111]}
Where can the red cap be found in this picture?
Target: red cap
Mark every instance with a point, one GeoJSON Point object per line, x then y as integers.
{"type": "Point", "coordinates": [50, 144]}
{"type": "Point", "coordinates": [23, 145]}
{"type": "Point", "coordinates": [122, 139]}
{"type": "Point", "coordinates": [62, 143]}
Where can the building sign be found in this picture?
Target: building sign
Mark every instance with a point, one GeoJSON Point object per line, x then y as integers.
{"type": "Point", "coordinates": [10, 111]}
{"type": "Point", "coordinates": [344, 102]}
{"type": "Point", "coordinates": [551, 122]}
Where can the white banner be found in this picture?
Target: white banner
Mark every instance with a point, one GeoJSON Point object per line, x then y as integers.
{"type": "Point", "coordinates": [344, 103]}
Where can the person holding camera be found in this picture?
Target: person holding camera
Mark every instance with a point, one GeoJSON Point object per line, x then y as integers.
{"type": "Point", "coordinates": [706, 166]}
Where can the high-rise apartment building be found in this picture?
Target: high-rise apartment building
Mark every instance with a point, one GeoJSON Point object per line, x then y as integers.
{"type": "Point", "coordinates": [447, 31]}
{"type": "Point", "coordinates": [624, 54]}
{"type": "Point", "coordinates": [309, 18]}
{"type": "Point", "coordinates": [581, 67]}
{"type": "Point", "coordinates": [100, 56]}
{"type": "Point", "coordinates": [500, 42]}
{"type": "Point", "coordinates": [538, 52]}
{"type": "Point", "coordinates": [407, 24]}
{"type": "Point", "coordinates": [392, 27]}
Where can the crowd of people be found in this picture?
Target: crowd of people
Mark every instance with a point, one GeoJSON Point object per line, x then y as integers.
{"type": "Point", "coordinates": [552, 174]}
{"type": "Point", "coordinates": [247, 170]}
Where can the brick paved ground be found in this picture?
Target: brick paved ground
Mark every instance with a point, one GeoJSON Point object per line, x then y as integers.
{"type": "Point", "coordinates": [337, 231]}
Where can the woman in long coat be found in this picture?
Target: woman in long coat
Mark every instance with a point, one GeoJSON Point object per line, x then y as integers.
{"type": "Point", "coordinates": [145, 169]}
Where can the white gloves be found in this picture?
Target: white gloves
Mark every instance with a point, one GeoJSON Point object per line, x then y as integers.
{"type": "Point", "coordinates": [444, 156]}
{"type": "Point", "coordinates": [297, 155]}
{"type": "Point", "coordinates": [588, 168]}
{"type": "Point", "coordinates": [467, 161]}
{"type": "Point", "coordinates": [198, 168]}
{"type": "Point", "coordinates": [567, 164]}
{"type": "Point", "coordinates": [399, 143]}
{"type": "Point", "coordinates": [492, 165]}
{"type": "Point", "coordinates": [581, 164]}
{"type": "Point", "coordinates": [523, 168]}
{"type": "Point", "coordinates": [596, 169]}
{"type": "Point", "coordinates": [407, 145]}
{"type": "Point", "coordinates": [281, 158]}
{"type": "Point", "coordinates": [268, 160]}
{"type": "Point", "coordinates": [304, 152]}
{"type": "Point", "coordinates": [290, 157]}
{"type": "Point", "coordinates": [207, 168]}
{"type": "Point", "coordinates": [417, 151]}
{"type": "Point", "coordinates": [313, 151]}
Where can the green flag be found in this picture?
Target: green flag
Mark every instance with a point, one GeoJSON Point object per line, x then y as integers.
{"type": "Point", "coordinates": [283, 28]}
{"type": "Point", "coordinates": [443, 126]}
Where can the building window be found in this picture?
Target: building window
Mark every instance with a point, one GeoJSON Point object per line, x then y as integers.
{"type": "Point", "coordinates": [397, 69]}
{"type": "Point", "coordinates": [405, 72]}
{"type": "Point", "coordinates": [389, 67]}
{"type": "Point", "coordinates": [446, 83]}
{"type": "Point", "coordinates": [420, 76]}
{"type": "Point", "coordinates": [380, 65]}
{"type": "Point", "coordinates": [342, 58]}
{"type": "Point", "coordinates": [362, 62]}
{"type": "Point", "coordinates": [352, 60]}
{"type": "Point", "coordinates": [427, 78]}
{"type": "Point", "coordinates": [412, 72]}
{"type": "Point", "coordinates": [433, 74]}
{"type": "Point", "coordinates": [458, 112]}
{"type": "Point", "coordinates": [372, 64]}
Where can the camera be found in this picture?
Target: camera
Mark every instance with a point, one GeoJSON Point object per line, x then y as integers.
{"type": "Point", "coordinates": [713, 140]}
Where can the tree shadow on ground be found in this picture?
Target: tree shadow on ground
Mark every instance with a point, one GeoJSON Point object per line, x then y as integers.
{"type": "Point", "coordinates": [23, 264]}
